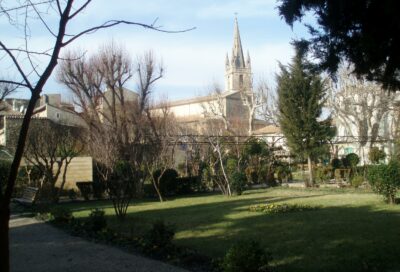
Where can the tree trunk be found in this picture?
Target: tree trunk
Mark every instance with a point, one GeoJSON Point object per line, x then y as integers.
{"type": "Point", "coordinates": [156, 184]}
{"type": "Point", "coordinates": [4, 240]}
{"type": "Point", "coordinates": [310, 176]}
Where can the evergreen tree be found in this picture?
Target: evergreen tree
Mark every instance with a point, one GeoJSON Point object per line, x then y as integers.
{"type": "Point", "coordinates": [301, 95]}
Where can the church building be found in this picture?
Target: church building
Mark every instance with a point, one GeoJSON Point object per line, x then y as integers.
{"type": "Point", "coordinates": [230, 103]}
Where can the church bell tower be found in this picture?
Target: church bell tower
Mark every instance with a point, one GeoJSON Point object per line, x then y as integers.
{"type": "Point", "coordinates": [238, 71]}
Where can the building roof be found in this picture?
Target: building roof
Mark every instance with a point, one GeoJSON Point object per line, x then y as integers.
{"type": "Point", "coordinates": [270, 129]}
{"type": "Point", "coordinates": [195, 100]}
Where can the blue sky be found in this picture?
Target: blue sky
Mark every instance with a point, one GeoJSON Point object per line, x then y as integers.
{"type": "Point", "coordinates": [192, 60]}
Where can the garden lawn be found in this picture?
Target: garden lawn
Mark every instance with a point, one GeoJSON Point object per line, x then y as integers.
{"type": "Point", "coordinates": [353, 231]}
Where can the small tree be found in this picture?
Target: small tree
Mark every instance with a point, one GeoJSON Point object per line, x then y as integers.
{"type": "Point", "coordinates": [51, 148]}
{"type": "Point", "coordinates": [301, 96]}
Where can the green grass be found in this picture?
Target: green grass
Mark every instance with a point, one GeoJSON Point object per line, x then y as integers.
{"type": "Point", "coordinates": [353, 231]}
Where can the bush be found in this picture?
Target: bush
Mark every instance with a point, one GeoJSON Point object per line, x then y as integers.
{"type": "Point", "coordinates": [385, 179]}
{"type": "Point", "coordinates": [61, 215]}
{"type": "Point", "coordinates": [86, 189]}
{"type": "Point", "coordinates": [158, 240]}
{"type": "Point", "coordinates": [231, 166]}
{"type": "Point", "coordinates": [168, 182]}
{"type": "Point", "coordinates": [251, 175]}
{"type": "Point", "coordinates": [72, 194]}
{"type": "Point", "coordinates": [283, 172]}
{"type": "Point", "coordinates": [356, 181]}
{"type": "Point", "coordinates": [352, 159]}
{"type": "Point", "coordinates": [96, 220]}
{"type": "Point", "coordinates": [336, 163]}
{"type": "Point", "coordinates": [188, 185]}
{"type": "Point", "coordinates": [376, 155]}
{"type": "Point", "coordinates": [322, 173]}
{"type": "Point", "coordinates": [246, 256]}
{"type": "Point", "coordinates": [238, 182]}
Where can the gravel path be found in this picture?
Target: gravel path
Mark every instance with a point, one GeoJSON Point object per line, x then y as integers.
{"type": "Point", "coordinates": [38, 247]}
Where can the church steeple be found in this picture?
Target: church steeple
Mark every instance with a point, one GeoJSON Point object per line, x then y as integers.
{"type": "Point", "coordinates": [237, 71]}
{"type": "Point", "coordinates": [237, 51]}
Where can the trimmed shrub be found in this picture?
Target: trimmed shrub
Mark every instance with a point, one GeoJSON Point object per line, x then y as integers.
{"type": "Point", "coordinates": [96, 220]}
{"type": "Point", "coordinates": [336, 163]}
{"type": "Point", "coordinates": [385, 179]}
{"type": "Point", "coordinates": [238, 182]}
{"type": "Point", "coordinates": [352, 159]}
{"type": "Point", "coordinates": [246, 256]}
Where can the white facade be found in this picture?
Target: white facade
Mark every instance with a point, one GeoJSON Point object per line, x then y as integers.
{"type": "Point", "coordinates": [364, 118]}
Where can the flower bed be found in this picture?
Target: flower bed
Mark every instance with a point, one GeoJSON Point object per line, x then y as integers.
{"type": "Point", "coordinates": [281, 208]}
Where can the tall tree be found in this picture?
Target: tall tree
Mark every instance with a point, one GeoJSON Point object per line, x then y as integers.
{"type": "Point", "coordinates": [301, 96]}
{"type": "Point", "coordinates": [34, 68]}
{"type": "Point", "coordinates": [365, 33]}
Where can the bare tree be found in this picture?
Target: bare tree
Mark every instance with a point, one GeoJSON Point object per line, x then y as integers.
{"type": "Point", "coordinates": [361, 108]}
{"type": "Point", "coordinates": [34, 68]}
{"type": "Point", "coordinates": [51, 148]}
{"type": "Point", "coordinates": [120, 124]}
{"type": "Point", "coordinates": [268, 110]}
{"type": "Point", "coordinates": [160, 156]}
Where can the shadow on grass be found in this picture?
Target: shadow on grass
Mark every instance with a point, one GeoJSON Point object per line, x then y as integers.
{"type": "Point", "coordinates": [344, 238]}
{"type": "Point", "coordinates": [329, 239]}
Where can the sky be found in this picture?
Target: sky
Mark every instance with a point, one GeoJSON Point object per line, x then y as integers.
{"type": "Point", "coordinates": [193, 60]}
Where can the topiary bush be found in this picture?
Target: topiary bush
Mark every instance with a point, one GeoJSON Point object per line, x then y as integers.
{"type": "Point", "coordinates": [353, 159]}
{"type": "Point", "coordinates": [385, 179]}
{"type": "Point", "coordinates": [238, 182]}
{"type": "Point", "coordinates": [246, 256]}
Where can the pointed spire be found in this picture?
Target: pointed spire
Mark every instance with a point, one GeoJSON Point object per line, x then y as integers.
{"type": "Point", "coordinates": [237, 51]}
{"type": "Point", "coordinates": [227, 60]}
{"type": "Point", "coordinates": [248, 61]}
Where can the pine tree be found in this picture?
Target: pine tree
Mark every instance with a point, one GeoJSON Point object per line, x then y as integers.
{"type": "Point", "coordinates": [301, 96]}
